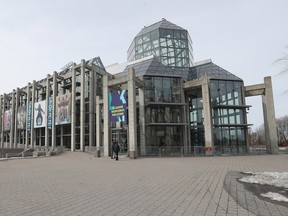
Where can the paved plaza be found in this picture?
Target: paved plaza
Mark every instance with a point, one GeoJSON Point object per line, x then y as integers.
{"type": "Point", "coordinates": [76, 183]}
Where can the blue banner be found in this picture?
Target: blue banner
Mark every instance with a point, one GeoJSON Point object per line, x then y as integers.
{"type": "Point", "coordinates": [50, 111]}
{"type": "Point", "coordinates": [29, 116]}
{"type": "Point", "coordinates": [117, 106]}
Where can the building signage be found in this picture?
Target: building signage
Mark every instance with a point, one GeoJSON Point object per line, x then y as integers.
{"type": "Point", "coordinates": [21, 117]}
{"type": "Point", "coordinates": [117, 106]}
{"type": "Point", "coordinates": [63, 109]}
{"type": "Point", "coordinates": [50, 111]}
{"type": "Point", "coordinates": [40, 114]}
{"type": "Point", "coordinates": [7, 120]}
{"type": "Point", "coordinates": [29, 116]}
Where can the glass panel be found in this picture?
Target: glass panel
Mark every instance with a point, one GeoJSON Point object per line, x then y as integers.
{"type": "Point", "coordinates": [146, 37]}
{"type": "Point", "coordinates": [155, 34]}
{"type": "Point", "coordinates": [167, 89]}
{"type": "Point", "coordinates": [169, 33]}
{"type": "Point", "coordinates": [177, 33]}
{"type": "Point", "coordinates": [159, 94]}
{"type": "Point", "coordinates": [162, 33]}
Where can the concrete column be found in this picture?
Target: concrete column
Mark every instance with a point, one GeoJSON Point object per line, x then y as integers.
{"type": "Point", "coordinates": [207, 116]}
{"type": "Point", "coordinates": [186, 132]}
{"type": "Point", "coordinates": [47, 108]}
{"type": "Point", "coordinates": [2, 107]}
{"type": "Point", "coordinates": [32, 139]}
{"type": "Point", "coordinates": [55, 93]}
{"type": "Point", "coordinates": [142, 122]}
{"type": "Point", "coordinates": [92, 97]}
{"type": "Point", "coordinates": [106, 118]}
{"type": "Point", "coordinates": [82, 107]}
{"type": "Point", "coordinates": [132, 114]}
{"type": "Point", "coordinates": [15, 118]}
{"type": "Point", "coordinates": [12, 121]}
{"type": "Point", "coordinates": [27, 111]}
{"type": "Point", "coordinates": [269, 118]}
{"type": "Point", "coordinates": [73, 109]}
{"type": "Point", "coordinates": [98, 127]}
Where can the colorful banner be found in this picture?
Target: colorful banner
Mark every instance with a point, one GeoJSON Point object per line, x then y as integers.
{"type": "Point", "coordinates": [7, 120]}
{"type": "Point", "coordinates": [40, 114]}
{"type": "Point", "coordinates": [29, 116]}
{"type": "Point", "coordinates": [50, 112]}
{"type": "Point", "coordinates": [21, 117]}
{"type": "Point", "coordinates": [117, 106]}
{"type": "Point", "coordinates": [63, 109]}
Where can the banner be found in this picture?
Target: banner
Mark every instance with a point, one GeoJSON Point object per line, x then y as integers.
{"type": "Point", "coordinates": [21, 117]}
{"type": "Point", "coordinates": [7, 120]}
{"type": "Point", "coordinates": [63, 109]}
{"type": "Point", "coordinates": [40, 114]}
{"type": "Point", "coordinates": [50, 112]}
{"type": "Point", "coordinates": [29, 116]}
{"type": "Point", "coordinates": [117, 106]}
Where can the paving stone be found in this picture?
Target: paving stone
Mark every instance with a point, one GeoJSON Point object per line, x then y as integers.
{"type": "Point", "coordinates": [77, 183]}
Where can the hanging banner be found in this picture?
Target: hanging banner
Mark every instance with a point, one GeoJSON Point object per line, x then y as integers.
{"type": "Point", "coordinates": [40, 114]}
{"type": "Point", "coordinates": [63, 109]}
{"type": "Point", "coordinates": [117, 106]}
{"type": "Point", "coordinates": [50, 112]}
{"type": "Point", "coordinates": [7, 120]}
{"type": "Point", "coordinates": [21, 117]}
{"type": "Point", "coordinates": [29, 116]}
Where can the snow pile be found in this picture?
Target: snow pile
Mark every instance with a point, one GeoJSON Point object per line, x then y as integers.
{"type": "Point", "coordinates": [275, 196]}
{"type": "Point", "coordinates": [269, 178]}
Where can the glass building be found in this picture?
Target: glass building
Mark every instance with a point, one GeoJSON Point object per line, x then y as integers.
{"type": "Point", "coordinates": [169, 42]}
{"type": "Point", "coordinates": [159, 103]}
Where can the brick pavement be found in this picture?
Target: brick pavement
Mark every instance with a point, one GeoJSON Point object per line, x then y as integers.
{"type": "Point", "coordinates": [76, 183]}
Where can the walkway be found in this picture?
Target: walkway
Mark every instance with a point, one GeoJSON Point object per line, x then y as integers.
{"type": "Point", "coordinates": [81, 184]}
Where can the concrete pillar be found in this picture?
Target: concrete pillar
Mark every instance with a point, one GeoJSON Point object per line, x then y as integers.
{"type": "Point", "coordinates": [73, 109]}
{"type": "Point", "coordinates": [15, 118]}
{"type": "Point", "coordinates": [269, 118]}
{"type": "Point", "coordinates": [12, 121]}
{"type": "Point", "coordinates": [32, 139]}
{"type": "Point", "coordinates": [82, 107]}
{"type": "Point", "coordinates": [142, 122]}
{"type": "Point", "coordinates": [106, 118]}
{"type": "Point", "coordinates": [184, 117]}
{"type": "Point", "coordinates": [55, 93]}
{"type": "Point", "coordinates": [47, 108]}
{"type": "Point", "coordinates": [132, 114]}
{"type": "Point", "coordinates": [207, 116]}
{"type": "Point", "coordinates": [98, 127]}
{"type": "Point", "coordinates": [27, 111]}
{"type": "Point", "coordinates": [2, 106]}
{"type": "Point", "coordinates": [92, 102]}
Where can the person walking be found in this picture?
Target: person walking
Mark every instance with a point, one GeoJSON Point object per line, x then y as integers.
{"type": "Point", "coordinates": [116, 149]}
{"type": "Point", "coordinates": [112, 149]}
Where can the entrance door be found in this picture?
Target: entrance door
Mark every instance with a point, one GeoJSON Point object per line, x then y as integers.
{"type": "Point", "coordinates": [120, 135]}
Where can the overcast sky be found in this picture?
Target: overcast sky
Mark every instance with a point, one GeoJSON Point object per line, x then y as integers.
{"type": "Point", "coordinates": [244, 37]}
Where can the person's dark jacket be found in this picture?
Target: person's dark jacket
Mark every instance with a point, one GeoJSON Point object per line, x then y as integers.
{"type": "Point", "coordinates": [116, 148]}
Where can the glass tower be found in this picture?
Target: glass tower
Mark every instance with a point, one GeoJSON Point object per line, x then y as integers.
{"type": "Point", "coordinates": [167, 41]}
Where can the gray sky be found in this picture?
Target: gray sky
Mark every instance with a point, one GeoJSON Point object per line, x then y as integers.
{"type": "Point", "coordinates": [244, 37]}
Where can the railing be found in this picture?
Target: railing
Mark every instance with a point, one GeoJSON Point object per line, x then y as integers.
{"type": "Point", "coordinates": [179, 151]}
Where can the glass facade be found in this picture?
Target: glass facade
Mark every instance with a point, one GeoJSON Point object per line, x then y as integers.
{"type": "Point", "coordinates": [172, 46]}
{"type": "Point", "coordinates": [228, 115]}
{"type": "Point", "coordinates": [195, 101]}
{"type": "Point", "coordinates": [164, 115]}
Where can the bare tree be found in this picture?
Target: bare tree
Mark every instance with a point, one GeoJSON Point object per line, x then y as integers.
{"type": "Point", "coordinates": [284, 62]}
{"type": "Point", "coordinates": [282, 130]}
{"type": "Point", "coordinates": [261, 135]}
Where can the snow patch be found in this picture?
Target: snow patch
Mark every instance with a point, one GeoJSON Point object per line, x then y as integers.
{"type": "Point", "coordinates": [269, 178]}
{"type": "Point", "coordinates": [275, 196]}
